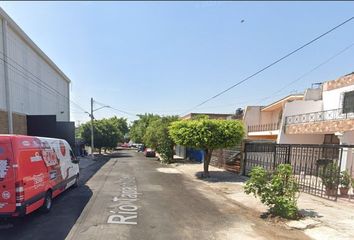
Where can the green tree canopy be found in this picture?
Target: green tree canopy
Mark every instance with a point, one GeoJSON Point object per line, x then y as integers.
{"type": "Point", "coordinates": [207, 134]}
{"type": "Point", "coordinates": [107, 132]}
{"type": "Point", "coordinates": [157, 137]}
{"type": "Point", "coordinates": [138, 128]}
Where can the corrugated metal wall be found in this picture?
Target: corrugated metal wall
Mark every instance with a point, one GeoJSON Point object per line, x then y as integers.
{"type": "Point", "coordinates": [36, 88]}
{"type": "Point", "coordinates": [2, 79]}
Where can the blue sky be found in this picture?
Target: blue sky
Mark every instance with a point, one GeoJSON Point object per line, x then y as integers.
{"type": "Point", "coordinates": [166, 57]}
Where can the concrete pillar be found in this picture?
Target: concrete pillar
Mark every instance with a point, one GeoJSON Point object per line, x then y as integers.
{"type": "Point", "coordinates": [347, 138]}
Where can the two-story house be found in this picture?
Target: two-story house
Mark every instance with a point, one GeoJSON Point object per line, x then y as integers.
{"type": "Point", "coordinates": [324, 116]}
{"type": "Point", "coordinates": [264, 122]}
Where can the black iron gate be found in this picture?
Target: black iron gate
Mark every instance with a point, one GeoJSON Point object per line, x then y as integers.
{"type": "Point", "coordinates": [316, 167]}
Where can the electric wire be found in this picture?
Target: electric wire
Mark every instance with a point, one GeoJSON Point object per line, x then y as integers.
{"type": "Point", "coordinates": [41, 83]}
{"type": "Point", "coordinates": [269, 65]}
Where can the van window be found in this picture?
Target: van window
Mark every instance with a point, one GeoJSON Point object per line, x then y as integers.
{"type": "Point", "coordinates": [4, 168]}
{"type": "Point", "coordinates": [72, 155]}
{"type": "Point", "coordinates": [6, 171]}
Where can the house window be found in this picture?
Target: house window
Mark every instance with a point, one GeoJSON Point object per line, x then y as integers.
{"type": "Point", "coordinates": [348, 102]}
{"type": "Point", "coordinates": [330, 139]}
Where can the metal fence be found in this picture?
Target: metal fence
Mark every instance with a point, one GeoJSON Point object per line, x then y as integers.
{"type": "Point", "coordinates": [314, 166]}
{"type": "Point", "coordinates": [229, 159]}
{"type": "Point", "coordinates": [263, 127]}
{"type": "Point", "coordinates": [334, 114]}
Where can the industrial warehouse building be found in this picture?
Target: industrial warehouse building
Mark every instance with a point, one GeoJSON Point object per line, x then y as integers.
{"type": "Point", "coordinates": [34, 92]}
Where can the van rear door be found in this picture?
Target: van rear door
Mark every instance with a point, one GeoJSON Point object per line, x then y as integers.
{"type": "Point", "coordinates": [7, 177]}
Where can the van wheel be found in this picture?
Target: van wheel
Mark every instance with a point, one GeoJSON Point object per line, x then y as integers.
{"type": "Point", "coordinates": [76, 184]}
{"type": "Point", "coordinates": [47, 205]}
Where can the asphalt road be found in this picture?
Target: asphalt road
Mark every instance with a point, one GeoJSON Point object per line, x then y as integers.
{"type": "Point", "coordinates": [137, 198]}
{"type": "Point", "coordinates": [67, 207]}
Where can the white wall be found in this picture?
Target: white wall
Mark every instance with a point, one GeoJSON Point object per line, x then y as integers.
{"type": "Point", "coordinates": [347, 138]}
{"type": "Point", "coordinates": [27, 94]}
{"type": "Point", "coordinates": [348, 153]}
{"type": "Point", "coordinates": [270, 116]}
{"type": "Point", "coordinates": [300, 138]}
{"type": "Point", "coordinates": [333, 99]}
{"type": "Point", "coordinates": [2, 79]}
{"type": "Point", "coordinates": [252, 115]}
{"type": "Point", "coordinates": [313, 94]}
{"type": "Point", "coordinates": [300, 107]}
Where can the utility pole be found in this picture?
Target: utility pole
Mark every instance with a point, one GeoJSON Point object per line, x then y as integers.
{"type": "Point", "coordinates": [92, 118]}
{"type": "Point", "coordinates": [91, 115]}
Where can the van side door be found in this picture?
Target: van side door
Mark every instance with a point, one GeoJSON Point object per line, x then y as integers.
{"type": "Point", "coordinates": [7, 177]}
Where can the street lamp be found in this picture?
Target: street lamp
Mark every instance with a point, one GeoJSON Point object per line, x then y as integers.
{"type": "Point", "coordinates": [92, 118]}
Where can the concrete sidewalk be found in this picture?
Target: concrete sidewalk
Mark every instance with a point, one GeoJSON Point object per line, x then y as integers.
{"type": "Point", "coordinates": [324, 219]}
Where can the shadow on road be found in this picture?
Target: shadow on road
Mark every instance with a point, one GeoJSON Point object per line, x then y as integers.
{"type": "Point", "coordinates": [66, 209]}
{"type": "Point", "coordinates": [221, 176]}
{"type": "Point", "coordinates": [310, 213]}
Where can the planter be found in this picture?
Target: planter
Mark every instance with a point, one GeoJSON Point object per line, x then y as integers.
{"type": "Point", "coordinates": [344, 191]}
{"type": "Point", "coordinates": [331, 191]}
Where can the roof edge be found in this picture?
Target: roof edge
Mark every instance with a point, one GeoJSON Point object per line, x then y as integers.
{"type": "Point", "coordinates": [13, 25]}
{"type": "Point", "coordinates": [282, 99]}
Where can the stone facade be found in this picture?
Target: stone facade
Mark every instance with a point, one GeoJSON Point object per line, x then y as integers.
{"type": "Point", "coordinates": [3, 122]}
{"type": "Point", "coordinates": [19, 123]}
{"type": "Point", "coordinates": [339, 83]}
{"type": "Point", "coordinates": [321, 127]}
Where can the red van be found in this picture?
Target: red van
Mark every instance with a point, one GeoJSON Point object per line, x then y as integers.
{"type": "Point", "coordinates": [33, 171]}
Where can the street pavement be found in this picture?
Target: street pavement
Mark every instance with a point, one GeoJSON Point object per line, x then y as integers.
{"type": "Point", "coordinates": [323, 218]}
{"type": "Point", "coordinates": [132, 197]}
{"type": "Point", "coordinates": [138, 198]}
{"type": "Point", "coordinates": [67, 207]}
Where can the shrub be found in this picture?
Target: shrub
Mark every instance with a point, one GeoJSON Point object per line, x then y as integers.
{"type": "Point", "coordinates": [277, 190]}
{"type": "Point", "coordinates": [329, 175]}
{"type": "Point", "coordinates": [344, 179]}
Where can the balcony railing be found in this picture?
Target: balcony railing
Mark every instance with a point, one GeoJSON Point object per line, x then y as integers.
{"type": "Point", "coordinates": [335, 114]}
{"type": "Point", "coordinates": [263, 127]}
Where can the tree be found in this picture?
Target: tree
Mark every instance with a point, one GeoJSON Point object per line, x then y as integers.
{"type": "Point", "coordinates": [157, 137]}
{"type": "Point", "coordinates": [107, 132]}
{"type": "Point", "coordinates": [276, 189]}
{"type": "Point", "coordinates": [120, 123]}
{"type": "Point", "coordinates": [138, 128]}
{"type": "Point", "coordinates": [207, 134]}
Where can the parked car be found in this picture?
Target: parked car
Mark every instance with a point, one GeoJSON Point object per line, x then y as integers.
{"type": "Point", "coordinates": [33, 171]}
{"type": "Point", "coordinates": [125, 145]}
{"type": "Point", "coordinates": [133, 145]}
{"type": "Point", "coordinates": [149, 152]}
{"type": "Point", "coordinates": [141, 148]}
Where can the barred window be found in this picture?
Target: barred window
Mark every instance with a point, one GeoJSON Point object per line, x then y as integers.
{"type": "Point", "coordinates": [348, 102]}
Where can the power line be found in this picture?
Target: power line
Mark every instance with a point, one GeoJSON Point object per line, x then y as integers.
{"type": "Point", "coordinates": [310, 71]}
{"type": "Point", "coordinates": [34, 82]}
{"type": "Point", "coordinates": [41, 83]}
{"type": "Point", "coordinates": [270, 65]}
{"type": "Point", "coordinates": [31, 90]}
{"type": "Point", "coordinates": [122, 111]}
{"type": "Point", "coordinates": [116, 109]}
{"type": "Point", "coordinates": [276, 93]}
